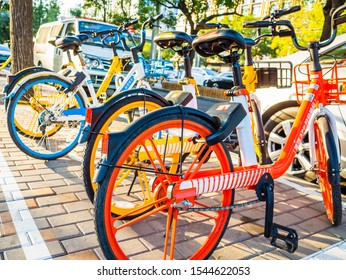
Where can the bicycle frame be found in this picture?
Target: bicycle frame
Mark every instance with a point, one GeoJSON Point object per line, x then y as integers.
{"type": "Point", "coordinates": [5, 63]}
{"type": "Point", "coordinates": [248, 176]}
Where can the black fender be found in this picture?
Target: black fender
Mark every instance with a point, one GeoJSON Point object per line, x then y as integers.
{"type": "Point", "coordinates": [12, 80]}
{"type": "Point", "coordinates": [99, 111]}
{"type": "Point", "coordinates": [117, 139]}
{"type": "Point", "coordinates": [333, 164]}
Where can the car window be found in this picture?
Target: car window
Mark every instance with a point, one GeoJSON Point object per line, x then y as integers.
{"type": "Point", "coordinates": [337, 53]}
{"type": "Point", "coordinates": [71, 28]}
{"type": "Point", "coordinates": [196, 71]}
{"type": "Point", "coordinates": [88, 27]}
{"type": "Point", "coordinates": [210, 72]}
{"type": "Point", "coordinates": [56, 30]}
{"type": "Point", "coordinates": [4, 48]}
{"type": "Point", "coordinates": [43, 34]}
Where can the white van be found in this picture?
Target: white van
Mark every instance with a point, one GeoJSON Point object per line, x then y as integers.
{"type": "Point", "coordinates": [96, 54]}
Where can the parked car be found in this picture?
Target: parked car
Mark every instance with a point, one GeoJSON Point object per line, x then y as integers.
{"type": "Point", "coordinates": [279, 108]}
{"type": "Point", "coordinates": [222, 80]}
{"type": "Point", "coordinates": [5, 52]}
{"type": "Point", "coordinates": [96, 54]}
{"type": "Point", "coordinates": [202, 74]}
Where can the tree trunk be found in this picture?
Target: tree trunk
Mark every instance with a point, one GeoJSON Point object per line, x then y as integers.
{"type": "Point", "coordinates": [21, 34]}
{"type": "Point", "coordinates": [328, 10]}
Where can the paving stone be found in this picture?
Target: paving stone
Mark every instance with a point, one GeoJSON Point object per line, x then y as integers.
{"type": "Point", "coordinates": [80, 243]}
{"type": "Point", "coordinates": [46, 211]}
{"type": "Point", "coordinates": [234, 252]}
{"type": "Point", "coordinates": [45, 184]}
{"type": "Point", "coordinates": [70, 218]}
{"type": "Point", "coordinates": [56, 199]}
{"type": "Point", "coordinates": [83, 255]}
{"type": "Point", "coordinates": [86, 227]}
{"type": "Point", "coordinates": [33, 193]}
{"type": "Point", "coordinates": [8, 242]}
{"type": "Point", "coordinates": [78, 206]}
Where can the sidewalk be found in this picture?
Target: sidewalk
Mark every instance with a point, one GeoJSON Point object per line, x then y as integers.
{"type": "Point", "coordinates": [45, 214]}
{"type": "Point", "coordinates": [333, 252]}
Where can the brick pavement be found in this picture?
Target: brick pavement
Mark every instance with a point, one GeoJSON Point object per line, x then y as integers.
{"type": "Point", "coordinates": [52, 195]}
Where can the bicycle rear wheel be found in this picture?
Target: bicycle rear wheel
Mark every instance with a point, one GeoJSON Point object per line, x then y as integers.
{"type": "Point", "coordinates": [161, 158]}
{"type": "Point", "coordinates": [116, 118]}
{"type": "Point", "coordinates": [328, 170]}
{"type": "Point", "coordinates": [43, 121]}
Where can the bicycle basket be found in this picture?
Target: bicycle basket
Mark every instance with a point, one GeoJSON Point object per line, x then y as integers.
{"type": "Point", "coordinates": [334, 83]}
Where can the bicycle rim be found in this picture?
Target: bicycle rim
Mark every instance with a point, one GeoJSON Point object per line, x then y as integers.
{"type": "Point", "coordinates": [331, 192]}
{"type": "Point", "coordinates": [163, 232]}
{"type": "Point", "coordinates": [116, 121]}
{"type": "Point", "coordinates": [39, 118]}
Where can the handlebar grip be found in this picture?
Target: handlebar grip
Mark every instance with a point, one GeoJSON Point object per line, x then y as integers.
{"type": "Point", "coordinates": [211, 25]}
{"type": "Point", "coordinates": [158, 17]}
{"type": "Point", "coordinates": [285, 33]}
{"type": "Point", "coordinates": [257, 24]}
{"type": "Point", "coordinates": [289, 10]}
{"type": "Point", "coordinates": [206, 25]}
{"type": "Point", "coordinates": [127, 24]}
{"type": "Point", "coordinates": [340, 20]}
{"type": "Point", "coordinates": [337, 17]}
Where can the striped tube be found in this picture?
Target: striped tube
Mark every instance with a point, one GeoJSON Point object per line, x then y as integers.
{"type": "Point", "coordinates": [233, 180]}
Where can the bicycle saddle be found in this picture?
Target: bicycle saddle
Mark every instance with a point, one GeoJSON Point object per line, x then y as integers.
{"type": "Point", "coordinates": [250, 42]}
{"type": "Point", "coordinates": [71, 42]}
{"type": "Point", "coordinates": [218, 41]}
{"type": "Point", "coordinates": [172, 39]}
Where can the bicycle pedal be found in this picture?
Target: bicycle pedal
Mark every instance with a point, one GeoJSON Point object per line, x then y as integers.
{"type": "Point", "coordinates": [290, 240]}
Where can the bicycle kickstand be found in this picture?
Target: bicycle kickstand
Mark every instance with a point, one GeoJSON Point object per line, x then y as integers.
{"type": "Point", "coordinates": [265, 192]}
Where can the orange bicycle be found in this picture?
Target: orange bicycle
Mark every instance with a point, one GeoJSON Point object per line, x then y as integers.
{"type": "Point", "coordinates": [181, 155]}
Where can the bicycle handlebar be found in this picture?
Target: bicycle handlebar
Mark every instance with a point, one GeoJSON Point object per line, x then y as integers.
{"type": "Point", "coordinates": [150, 21]}
{"type": "Point", "coordinates": [207, 25]}
{"type": "Point", "coordinates": [279, 13]}
{"type": "Point", "coordinates": [336, 19]}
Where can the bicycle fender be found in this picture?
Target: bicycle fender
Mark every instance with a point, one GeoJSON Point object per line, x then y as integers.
{"type": "Point", "coordinates": [14, 79]}
{"type": "Point", "coordinates": [117, 139]}
{"type": "Point", "coordinates": [332, 154]}
{"type": "Point", "coordinates": [137, 91]}
{"type": "Point", "coordinates": [229, 115]}
{"type": "Point", "coordinates": [97, 112]}
{"type": "Point", "coordinates": [104, 164]}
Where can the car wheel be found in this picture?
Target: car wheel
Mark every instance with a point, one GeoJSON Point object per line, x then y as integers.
{"type": "Point", "coordinates": [277, 129]}
{"type": "Point", "coordinates": [205, 83]}
{"type": "Point", "coordinates": [215, 85]}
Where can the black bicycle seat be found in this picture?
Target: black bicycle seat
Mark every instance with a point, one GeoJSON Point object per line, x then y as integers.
{"type": "Point", "coordinates": [250, 42]}
{"type": "Point", "coordinates": [71, 42]}
{"type": "Point", "coordinates": [172, 39]}
{"type": "Point", "coordinates": [218, 41]}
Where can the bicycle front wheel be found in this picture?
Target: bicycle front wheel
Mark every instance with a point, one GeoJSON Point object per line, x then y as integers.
{"type": "Point", "coordinates": [43, 121]}
{"type": "Point", "coordinates": [328, 170]}
{"type": "Point", "coordinates": [154, 157]}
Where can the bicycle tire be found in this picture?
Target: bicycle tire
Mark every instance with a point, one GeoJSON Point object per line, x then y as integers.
{"type": "Point", "coordinates": [328, 169]}
{"type": "Point", "coordinates": [91, 151]}
{"type": "Point", "coordinates": [31, 114]}
{"type": "Point", "coordinates": [197, 233]}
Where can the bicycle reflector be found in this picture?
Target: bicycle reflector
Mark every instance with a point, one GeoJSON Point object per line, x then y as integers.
{"type": "Point", "coordinates": [88, 115]}
{"type": "Point", "coordinates": [104, 148]}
